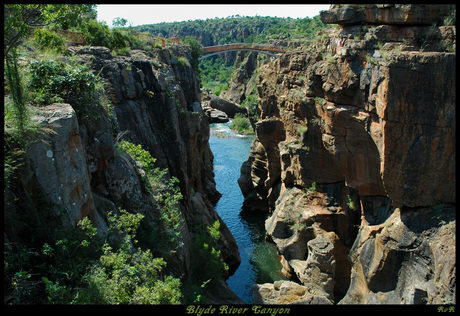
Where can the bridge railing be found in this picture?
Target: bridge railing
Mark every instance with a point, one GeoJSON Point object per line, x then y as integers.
{"type": "Point", "coordinates": [233, 46]}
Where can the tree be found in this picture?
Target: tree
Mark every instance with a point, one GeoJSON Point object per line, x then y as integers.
{"type": "Point", "coordinates": [196, 51]}
{"type": "Point", "coordinates": [119, 22]}
{"type": "Point", "coordinates": [19, 18]}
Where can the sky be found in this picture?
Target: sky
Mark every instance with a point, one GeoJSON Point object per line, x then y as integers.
{"type": "Point", "coordinates": [139, 14]}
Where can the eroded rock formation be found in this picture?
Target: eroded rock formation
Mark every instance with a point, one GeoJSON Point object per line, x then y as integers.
{"type": "Point", "coordinates": [356, 133]}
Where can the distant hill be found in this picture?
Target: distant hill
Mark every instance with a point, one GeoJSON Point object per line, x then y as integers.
{"type": "Point", "coordinates": [239, 29]}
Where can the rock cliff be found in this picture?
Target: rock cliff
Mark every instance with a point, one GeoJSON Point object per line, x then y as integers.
{"type": "Point", "coordinates": [355, 156]}
{"type": "Point", "coordinates": [154, 100]}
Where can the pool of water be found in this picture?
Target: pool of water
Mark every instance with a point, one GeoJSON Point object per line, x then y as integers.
{"type": "Point", "coordinates": [259, 262]}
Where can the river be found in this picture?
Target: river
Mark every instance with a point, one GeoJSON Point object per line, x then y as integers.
{"type": "Point", "coordinates": [259, 263]}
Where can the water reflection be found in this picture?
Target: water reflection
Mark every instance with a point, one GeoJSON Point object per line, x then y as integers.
{"type": "Point", "coordinates": [259, 263]}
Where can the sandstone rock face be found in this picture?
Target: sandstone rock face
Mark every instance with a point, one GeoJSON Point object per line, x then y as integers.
{"type": "Point", "coordinates": [405, 259]}
{"type": "Point", "coordinates": [242, 79]}
{"type": "Point", "coordinates": [365, 119]}
{"type": "Point", "coordinates": [414, 14]}
{"type": "Point", "coordinates": [313, 232]}
{"type": "Point", "coordinates": [157, 106]}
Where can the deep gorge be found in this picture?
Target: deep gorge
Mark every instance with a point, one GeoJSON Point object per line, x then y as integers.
{"type": "Point", "coordinates": [347, 187]}
{"type": "Point", "coordinates": [259, 262]}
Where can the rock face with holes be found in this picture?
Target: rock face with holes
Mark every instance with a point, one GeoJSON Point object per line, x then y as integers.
{"type": "Point", "coordinates": [357, 134]}
{"type": "Point", "coordinates": [408, 259]}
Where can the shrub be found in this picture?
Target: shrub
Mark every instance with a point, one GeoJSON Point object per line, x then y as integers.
{"type": "Point", "coordinates": [48, 39]}
{"type": "Point", "coordinates": [123, 276]}
{"type": "Point", "coordinates": [241, 124]}
{"type": "Point", "coordinates": [311, 189]}
{"type": "Point", "coordinates": [166, 192]}
{"type": "Point", "coordinates": [195, 51]}
{"type": "Point", "coordinates": [98, 34]}
{"type": "Point", "coordinates": [206, 262]}
{"type": "Point", "coordinates": [82, 267]}
{"type": "Point", "coordinates": [56, 81]}
{"type": "Point", "coordinates": [183, 61]}
{"type": "Point", "coordinates": [251, 102]}
{"type": "Point", "coordinates": [352, 203]}
{"type": "Point", "coordinates": [301, 129]}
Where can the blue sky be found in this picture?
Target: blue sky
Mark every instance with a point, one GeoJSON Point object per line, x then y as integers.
{"type": "Point", "coordinates": [139, 14]}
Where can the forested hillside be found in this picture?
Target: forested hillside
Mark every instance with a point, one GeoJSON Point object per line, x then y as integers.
{"type": "Point", "coordinates": [238, 29]}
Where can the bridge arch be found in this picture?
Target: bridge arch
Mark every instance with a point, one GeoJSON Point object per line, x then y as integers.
{"type": "Point", "coordinates": [219, 49]}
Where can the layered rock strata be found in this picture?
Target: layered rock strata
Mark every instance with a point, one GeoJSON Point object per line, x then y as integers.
{"type": "Point", "coordinates": [357, 133]}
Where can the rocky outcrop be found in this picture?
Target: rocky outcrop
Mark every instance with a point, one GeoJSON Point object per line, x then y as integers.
{"type": "Point", "coordinates": [408, 259]}
{"type": "Point", "coordinates": [286, 292]}
{"type": "Point", "coordinates": [57, 165]}
{"type": "Point", "coordinates": [243, 79]}
{"type": "Point", "coordinates": [153, 100]}
{"type": "Point", "coordinates": [219, 110]}
{"type": "Point", "coordinates": [351, 130]}
{"type": "Point", "coordinates": [393, 14]}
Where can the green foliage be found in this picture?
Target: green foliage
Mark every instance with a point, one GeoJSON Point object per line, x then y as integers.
{"type": "Point", "coordinates": [195, 50]}
{"type": "Point", "coordinates": [18, 18]}
{"type": "Point", "coordinates": [251, 102]}
{"type": "Point", "coordinates": [46, 39]}
{"type": "Point", "coordinates": [123, 276]}
{"type": "Point", "coordinates": [215, 74]}
{"type": "Point", "coordinates": [119, 22]}
{"type": "Point", "coordinates": [250, 29]}
{"type": "Point", "coordinates": [311, 189]}
{"type": "Point", "coordinates": [352, 203]}
{"type": "Point", "coordinates": [99, 34]}
{"type": "Point", "coordinates": [451, 19]}
{"type": "Point", "coordinates": [55, 81]}
{"type": "Point", "coordinates": [183, 61]}
{"type": "Point", "coordinates": [301, 129]}
{"type": "Point", "coordinates": [320, 101]}
{"type": "Point", "coordinates": [14, 81]}
{"type": "Point", "coordinates": [166, 192]}
{"type": "Point", "coordinates": [82, 267]}
{"type": "Point", "coordinates": [241, 124]}
{"type": "Point", "coordinates": [206, 262]}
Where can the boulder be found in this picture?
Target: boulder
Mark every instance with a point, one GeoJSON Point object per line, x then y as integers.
{"type": "Point", "coordinates": [228, 107]}
{"type": "Point", "coordinates": [286, 292]}
{"type": "Point", "coordinates": [217, 116]}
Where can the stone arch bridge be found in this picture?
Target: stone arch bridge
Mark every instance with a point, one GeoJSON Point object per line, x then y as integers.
{"type": "Point", "coordinates": [219, 49]}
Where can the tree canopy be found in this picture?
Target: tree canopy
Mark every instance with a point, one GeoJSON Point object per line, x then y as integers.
{"type": "Point", "coordinates": [19, 18]}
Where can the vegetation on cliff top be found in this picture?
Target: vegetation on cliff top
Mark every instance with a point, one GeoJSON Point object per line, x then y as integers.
{"type": "Point", "coordinates": [238, 29]}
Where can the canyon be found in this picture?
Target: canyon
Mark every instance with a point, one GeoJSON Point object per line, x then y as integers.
{"type": "Point", "coordinates": [353, 158]}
